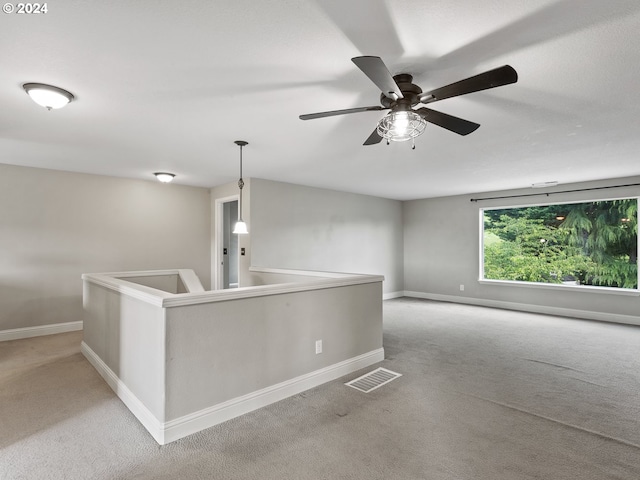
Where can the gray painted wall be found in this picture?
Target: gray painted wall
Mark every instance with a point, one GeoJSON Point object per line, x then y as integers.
{"type": "Point", "coordinates": [309, 228]}
{"type": "Point", "coordinates": [55, 226]}
{"type": "Point", "coordinates": [128, 335]}
{"type": "Point", "coordinates": [442, 250]}
{"type": "Point", "coordinates": [167, 283]}
{"type": "Point", "coordinates": [222, 350]}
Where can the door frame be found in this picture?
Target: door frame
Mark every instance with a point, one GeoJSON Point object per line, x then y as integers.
{"type": "Point", "coordinates": [218, 244]}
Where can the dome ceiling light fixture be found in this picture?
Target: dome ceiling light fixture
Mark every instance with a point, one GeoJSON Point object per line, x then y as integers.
{"type": "Point", "coordinates": [164, 177]}
{"type": "Point", "coordinates": [48, 96]}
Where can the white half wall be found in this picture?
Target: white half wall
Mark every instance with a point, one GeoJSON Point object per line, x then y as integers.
{"type": "Point", "coordinates": [55, 226]}
{"type": "Point", "coordinates": [308, 228]}
{"type": "Point", "coordinates": [184, 362]}
{"type": "Point", "coordinates": [442, 252]}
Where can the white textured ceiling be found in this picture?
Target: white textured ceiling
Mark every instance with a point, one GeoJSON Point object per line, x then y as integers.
{"type": "Point", "coordinates": [168, 86]}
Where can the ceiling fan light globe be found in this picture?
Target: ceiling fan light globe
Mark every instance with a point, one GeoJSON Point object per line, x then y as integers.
{"type": "Point", "coordinates": [401, 126]}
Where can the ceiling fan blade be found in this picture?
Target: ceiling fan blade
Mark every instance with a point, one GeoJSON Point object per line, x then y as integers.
{"type": "Point", "coordinates": [332, 113]}
{"type": "Point", "coordinates": [378, 73]}
{"type": "Point", "coordinates": [451, 123]}
{"type": "Point", "coordinates": [373, 138]}
{"type": "Point", "coordinates": [493, 78]}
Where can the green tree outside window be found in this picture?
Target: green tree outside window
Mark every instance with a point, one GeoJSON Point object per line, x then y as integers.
{"type": "Point", "coordinates": [591, 243]}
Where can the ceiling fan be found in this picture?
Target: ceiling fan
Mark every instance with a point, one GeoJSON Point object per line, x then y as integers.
{"type": "Point", "coordinates": [400, 95]}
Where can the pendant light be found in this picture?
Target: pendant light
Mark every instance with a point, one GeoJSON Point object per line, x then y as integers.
{"type": "Point", "coordinates": [241, 226]}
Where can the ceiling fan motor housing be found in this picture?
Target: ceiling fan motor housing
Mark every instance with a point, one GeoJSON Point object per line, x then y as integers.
{"type": "Point", "coordinates": [410, 92]}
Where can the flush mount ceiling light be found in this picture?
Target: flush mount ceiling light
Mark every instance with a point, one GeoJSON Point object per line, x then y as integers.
{"type": "Point", "coordinates": [164, 177]}
{"type": "Point", "coordinates": [48, 96]}
{"type": "Point", "coordinates": [401, 126]}
{"type": "Point", "coordinates": [241, 226]}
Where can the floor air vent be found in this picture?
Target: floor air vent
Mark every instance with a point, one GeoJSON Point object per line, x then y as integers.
{"type": "Point", "coordinates": [372, 380]}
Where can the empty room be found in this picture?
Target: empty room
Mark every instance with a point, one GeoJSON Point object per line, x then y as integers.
{"type": "Point", "coordinates": [358, 239]}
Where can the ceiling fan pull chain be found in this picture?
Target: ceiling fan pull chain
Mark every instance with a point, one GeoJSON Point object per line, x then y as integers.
{"type": "Point", "coordinates": [413, 143]}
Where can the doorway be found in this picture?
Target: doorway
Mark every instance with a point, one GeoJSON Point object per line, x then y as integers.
{"type": "Point", "coordinates": [227, 244]}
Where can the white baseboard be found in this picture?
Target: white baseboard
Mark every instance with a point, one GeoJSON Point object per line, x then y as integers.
{"type": "Point", "coordinates": [142, 413]}
{"type": "Point", "coordinates": [389, 296]}
{"type": "Point", "coordinates": [28, 332]}
{"type": "Point", "coordinates": [208, 417]}
{"type": "Point", "coordinates": [525, 307]}
{"type": "Point", "coordinates": [178, 428]}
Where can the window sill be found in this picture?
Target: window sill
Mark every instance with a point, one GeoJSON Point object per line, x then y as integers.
{"type": "Point", "coordinates": [556, 286]}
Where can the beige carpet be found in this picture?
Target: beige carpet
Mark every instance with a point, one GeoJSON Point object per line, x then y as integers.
{"type": "Point", "coordinates": [485, 394]}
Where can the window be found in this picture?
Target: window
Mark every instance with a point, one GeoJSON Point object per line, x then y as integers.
{"type": "Point", "coordinates": [589, 243]}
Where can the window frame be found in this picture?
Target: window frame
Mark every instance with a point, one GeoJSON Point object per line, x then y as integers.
{"type": "Point", "coordinates": [556, 286]}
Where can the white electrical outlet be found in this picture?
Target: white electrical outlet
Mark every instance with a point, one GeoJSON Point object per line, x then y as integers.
{"type": "Point", "coordinates": [318, 346]}
{"type": "Point", "coordinates": [461, 288]}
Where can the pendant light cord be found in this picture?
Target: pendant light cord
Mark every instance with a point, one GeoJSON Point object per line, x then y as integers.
{"type": "Point", "coordinates": [240, 161]}
{"type": "Point", "coordinates": [240, 186]}
{"type": "Point", "coordinates": [241, 182]}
